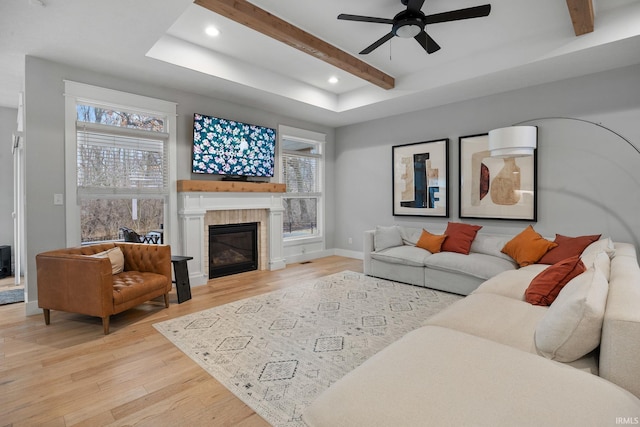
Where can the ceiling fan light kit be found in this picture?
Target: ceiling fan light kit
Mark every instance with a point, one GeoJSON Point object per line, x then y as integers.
{"type": "Point", "coordinates": [412, 23]}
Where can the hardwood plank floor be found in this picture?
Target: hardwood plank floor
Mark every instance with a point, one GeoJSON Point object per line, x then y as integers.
{"type": "Point", "coordinates": [70, 374]}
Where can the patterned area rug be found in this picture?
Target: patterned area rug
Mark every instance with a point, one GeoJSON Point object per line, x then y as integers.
{"type": "Point", "coordinates": [11, 296]}
{"type": "Point", "coordinates": [278, 351]}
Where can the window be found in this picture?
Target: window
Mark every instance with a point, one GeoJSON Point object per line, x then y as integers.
{"type": "Point", "coordinates": [302, 167]}
{"type": "Point", "coordinates": [121, 169]}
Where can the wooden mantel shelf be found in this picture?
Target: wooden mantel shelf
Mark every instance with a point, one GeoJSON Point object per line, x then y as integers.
{"type": "Point", "coordinates": [230, 187]}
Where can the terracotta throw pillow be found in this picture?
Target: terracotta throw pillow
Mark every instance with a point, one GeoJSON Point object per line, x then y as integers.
{"type": "Point", "coordinates": [459, 237]}
{"type": "Point", "coordinates": [567, 247]}
{"type": "Point", "coordinates": [528, 247]}
{"type": "Point", "coordinates": [431, 242]}
{"type": "Point", "coordinates": [545, 287]}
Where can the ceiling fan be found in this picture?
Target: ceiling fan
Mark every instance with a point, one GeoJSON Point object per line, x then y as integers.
{"type": "Point", "coordinates": [412, 22]}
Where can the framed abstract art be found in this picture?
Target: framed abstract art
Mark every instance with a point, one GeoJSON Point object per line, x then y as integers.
{"type": "Point", "coordinates": [495, 188]}
{"type": "Point", "coordinates": [420, 178]}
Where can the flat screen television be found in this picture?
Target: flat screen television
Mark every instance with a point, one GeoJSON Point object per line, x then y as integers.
{"type": "Point", "coordinates": [232, 148]}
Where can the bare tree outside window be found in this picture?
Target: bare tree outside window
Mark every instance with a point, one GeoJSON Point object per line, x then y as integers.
{"type": "Point", "coordinates": [301, 163]}
{"type": "Point", "coordinates": [121, 173]}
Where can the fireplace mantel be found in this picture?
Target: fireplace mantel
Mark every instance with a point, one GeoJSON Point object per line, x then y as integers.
{"type": "Point", "coordinates": [230, 186]}
{"type": "Point", "coordinates": [195, 200]}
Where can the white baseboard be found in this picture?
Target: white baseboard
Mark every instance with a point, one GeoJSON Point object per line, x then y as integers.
{"type": "Point", "coordinates": [31, 308]}
{"type": "Point", "coordinates": [321, 254]}
{"type": "Point", "coordinates": [349, 254]}
{"type": "Point", "coordinates": [292, 259]}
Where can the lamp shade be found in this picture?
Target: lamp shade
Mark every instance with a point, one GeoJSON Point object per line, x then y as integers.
{"type": "Point", "coordinates": [513, 141]}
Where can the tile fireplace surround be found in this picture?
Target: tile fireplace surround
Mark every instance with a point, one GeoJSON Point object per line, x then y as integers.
{"type": "Point", "coordinates": [204, 203]}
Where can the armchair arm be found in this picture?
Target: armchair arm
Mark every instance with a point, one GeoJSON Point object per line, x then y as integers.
{"type": "Point", "coordinates": [74, 283]}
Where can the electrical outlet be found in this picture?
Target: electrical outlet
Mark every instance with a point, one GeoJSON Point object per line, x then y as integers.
{"type": "Point", "coordinates": [57, 199]}
{"type": "Point", "coordinates": [350, 240]}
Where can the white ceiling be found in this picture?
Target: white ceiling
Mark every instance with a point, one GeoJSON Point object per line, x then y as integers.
{"type": "Point", "coordinates": [521, 43]}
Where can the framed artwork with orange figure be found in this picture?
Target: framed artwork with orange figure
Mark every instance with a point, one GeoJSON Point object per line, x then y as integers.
{"type": "Point", "coordinates": [495, 188]}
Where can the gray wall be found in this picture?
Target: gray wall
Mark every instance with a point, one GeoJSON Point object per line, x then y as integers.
{"type": "Point", "coordinates": [8, 124]}
{"type": "Point", "coordinates": [44, 127]}
{"type": "Point", "coordinates": [587, 176]}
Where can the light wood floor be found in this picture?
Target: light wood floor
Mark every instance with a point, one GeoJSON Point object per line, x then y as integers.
{"type": "Point", "coordinates": [70, 374]}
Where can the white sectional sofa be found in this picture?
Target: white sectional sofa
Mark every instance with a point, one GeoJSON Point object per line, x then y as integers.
{"type": "Point", "coordinates": [479, 362]}
{"type": "Point", "coordinates": [402, 261]}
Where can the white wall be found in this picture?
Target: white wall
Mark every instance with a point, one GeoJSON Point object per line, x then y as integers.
{"type": "Point", "coordinates": [44, 127]}
{"type": "Point", "coordinates": [587, 177]}
{"type": "Point", "coordinates": [8, 124]}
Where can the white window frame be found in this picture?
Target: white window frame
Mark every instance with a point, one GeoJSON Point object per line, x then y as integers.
{"type": "Point", "coordinates": [318, 139]}
{"type": "Point", "coordinates": [81, 93]}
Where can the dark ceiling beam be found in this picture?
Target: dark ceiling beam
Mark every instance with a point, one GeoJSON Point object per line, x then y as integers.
{"type": "Point", "coordinates": [262, 21]}
{"type": "Point", "coordinates": [581, 12]}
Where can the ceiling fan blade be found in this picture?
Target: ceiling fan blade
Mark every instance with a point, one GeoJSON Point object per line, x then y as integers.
{"type": "Point", "coordinates": [377, 43]}
{"type": "Point", "coordinates": [415, 5]}
{"type": "Point", "coordinates": [360, 18]}
{"type": "Point", "coordinates": [427, 42]}
{"type": "Point", "coordinates": [456, 15]}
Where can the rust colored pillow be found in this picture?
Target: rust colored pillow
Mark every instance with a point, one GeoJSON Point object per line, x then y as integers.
{"type": "Point", "coordinates": [567, 247]}
{"type": "Point", "coordinates": [545, 287]}
{"type": "Point", "coordinates": [459, 237]}
{"type": "Point", "coordinates": [431, 242]}
{"type": "Point", "coordinates": [528, 247]}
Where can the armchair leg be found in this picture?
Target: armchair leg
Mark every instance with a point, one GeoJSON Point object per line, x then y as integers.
{"type": "Point", "coordinates": [105, 325]}
{"type": "Point", "coordinates": [166, 300]}
{"type": "Point", "coordinates": [47, 315]}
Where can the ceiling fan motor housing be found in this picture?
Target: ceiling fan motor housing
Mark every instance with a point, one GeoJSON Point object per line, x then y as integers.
{"type": "Point", "coordinates": [408, 24]}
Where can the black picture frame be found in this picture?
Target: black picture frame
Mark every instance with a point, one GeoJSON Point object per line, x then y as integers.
{"type": "Point", "coordinates": [496, 188]}
{"type": "Point", "coordinates": [421, 178]}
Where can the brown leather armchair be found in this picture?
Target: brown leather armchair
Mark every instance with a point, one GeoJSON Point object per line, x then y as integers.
{"type": "Point", "coordinates": [72, 280]}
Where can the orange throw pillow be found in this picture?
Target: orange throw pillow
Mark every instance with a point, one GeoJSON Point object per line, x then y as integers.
{"type": "Point", "coordinates": [459, 237]}
{"type": "Point", "coordinates": [528, 247]}
{"type": "Point", "coordinates": [545, 287]}
{"type": "Point", "coordinates": [567, 247]}
{"type": "Point", "coordinates": [431, 242]}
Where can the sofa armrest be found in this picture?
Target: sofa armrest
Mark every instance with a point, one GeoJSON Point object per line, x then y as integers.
{"type": "Point", "coordinates": [74, 283]}
{"type": "Point", "coordinates": [147, 258]}
{"type": "Point", "coordinates": [620, 344]}
{"type": "Point", "coordinates": [367, 249]}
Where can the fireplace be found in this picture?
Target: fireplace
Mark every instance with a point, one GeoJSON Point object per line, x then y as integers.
{"type": "Point", "coordinates": [233, 248]}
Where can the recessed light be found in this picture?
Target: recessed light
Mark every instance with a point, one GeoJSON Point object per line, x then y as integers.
{"type": "Point", "coordinates": [333, 80]}
{"type": "Point", "coordinates": [212, 31]}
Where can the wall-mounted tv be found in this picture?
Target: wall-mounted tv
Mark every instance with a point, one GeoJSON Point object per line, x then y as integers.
{"type": "Point", "coordinates": [232, 148]}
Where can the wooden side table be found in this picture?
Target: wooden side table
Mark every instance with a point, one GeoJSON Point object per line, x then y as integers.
{"type": "Point", "coordinates": [181, 273]}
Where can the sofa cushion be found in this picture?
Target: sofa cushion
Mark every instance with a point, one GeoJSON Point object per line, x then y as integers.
{"type": "Point", "coordinates": [512, 283]}
{"type": "Point", "coordinates": [590, 254]}
{"type": "Point", "coordinates": [405, 255]}
{"type": "Point", "coordinates": [527, 247]}
{"type": "Point", "coordinates": [494, 317]}
{"type": "Point", "coordinates": [491, 245]}
{"type": "Point", "coordinates": [545, 287]}
{"type": "Point", "coordinates": [410, 235]}
{"type": "Point", "coordinates": [386, 237]}
{"type": "Point", "coordinates": [431, 242]}
{"type": "Point", "coordinates": [130, 285]}
{"type": "Point", "coordinates": [567, 248]}
{"type": "Point", "coordinates": [116, 257]}
{"type": "Point", "coordinates": [476, 265]}
{"type": "Point", "coordinates": [572, 326]}
{"type": "Point", "coordinates": [439, 377]}
{"type": "Point", "coordinates": [459, 237]}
